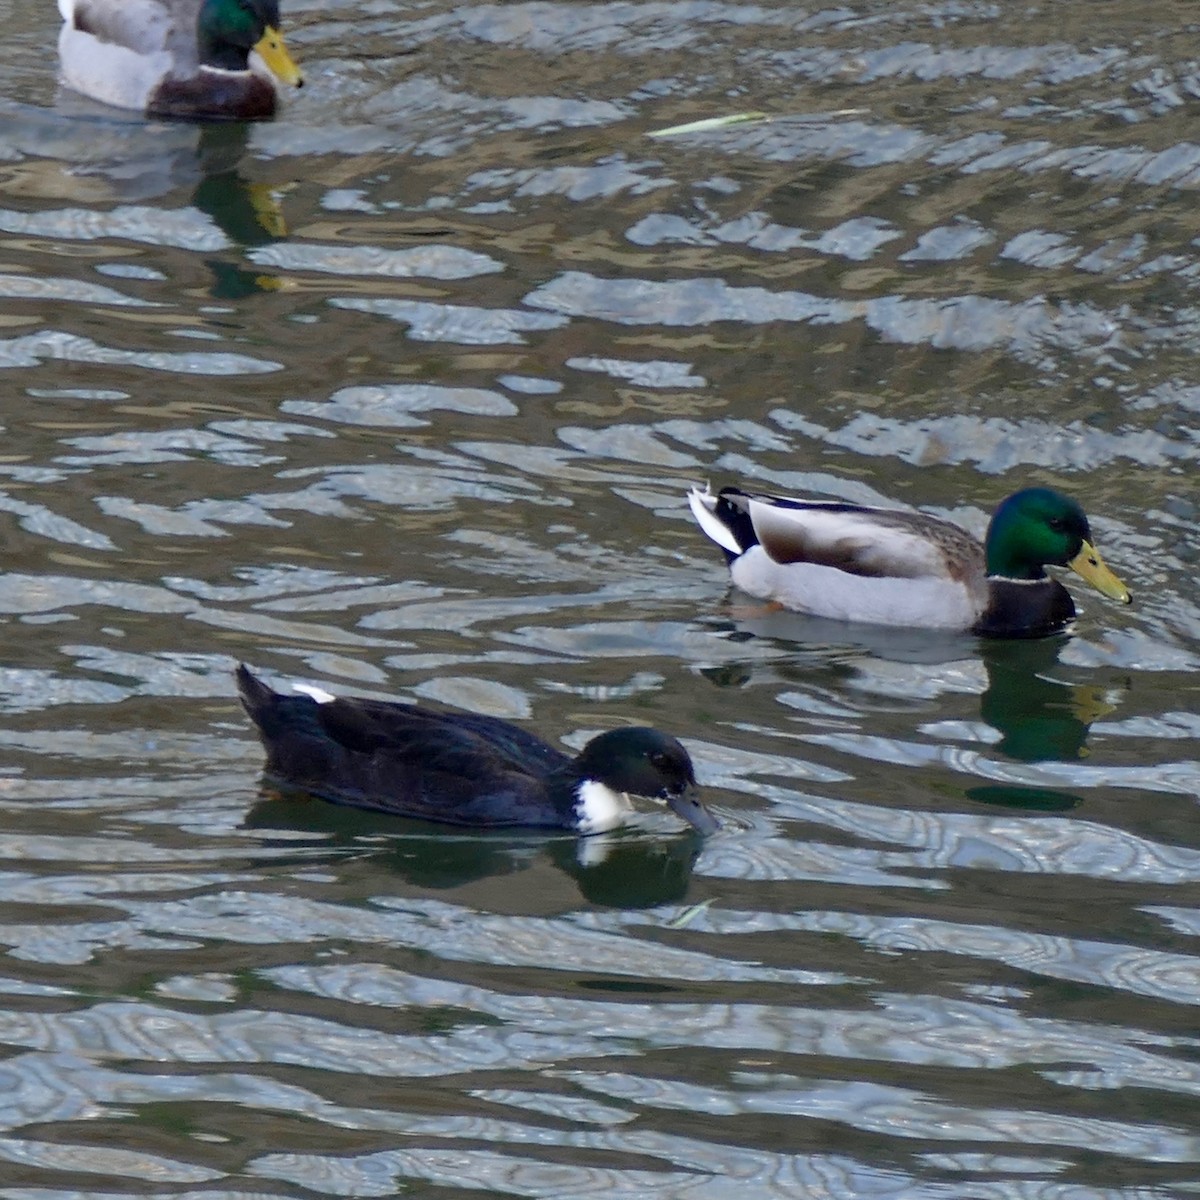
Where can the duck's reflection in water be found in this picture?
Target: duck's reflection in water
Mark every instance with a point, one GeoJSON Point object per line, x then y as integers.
{"type": "Point", "coordinates": [247, 212]}
{"type": "Point", "coordinates": [630, 868]}
{"type": "Point", "coordinates": [1039, 718]}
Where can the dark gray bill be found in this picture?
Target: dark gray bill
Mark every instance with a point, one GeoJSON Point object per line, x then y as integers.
{"type": "Point", "coordinates": [687, 805]}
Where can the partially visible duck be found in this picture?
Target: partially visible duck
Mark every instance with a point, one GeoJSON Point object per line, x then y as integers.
{"type": "Point", "coordinates": [177, 58]}
{"type": "Point", "coordinates": [463, 768]}
{"type": "Point", "coordinates": [888, 567]}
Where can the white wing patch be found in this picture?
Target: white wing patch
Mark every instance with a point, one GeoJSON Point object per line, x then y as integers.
{"type": "Point", "coordinates": [320, 695]}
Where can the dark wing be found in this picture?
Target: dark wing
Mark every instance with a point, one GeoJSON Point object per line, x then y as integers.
{"type": "Point", "coordinates": [458, 768]}
{"type": "Point", "coordinates": [422, 774]}
{"type": "Point", "coordinates": [473, 733]}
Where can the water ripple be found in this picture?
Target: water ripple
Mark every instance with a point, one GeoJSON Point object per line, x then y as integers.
{"type": "Point", "coordinates": [1027, 330]}
{"type": "Point", "coordinates": [466, 326]}
{"type": "Point", "coordinates": [1144, 972]}
{"type": "Point", "coordinates": [393, 405]}
{"type": "Point", "coordinates": [1173, 777]}
{"type": "Point", "coordinates": [186, 228]}
{"type": "Point", "coordinates": [1038, 845]}
{"type": "Point", "coordinates": [997, 445]}
{"type": "Point", "coordinates": [700, 1175]}
{"type": "Point", "coordinates": [431, 262]}
{"type": "Point", "coordinates": [403, 391]}
{"type": "Point", "coordinates": [29, 350]}
{"type": "Point", "coordinates": [906, 1113]}
{"type": "Point", "coordinates": [26, 287]}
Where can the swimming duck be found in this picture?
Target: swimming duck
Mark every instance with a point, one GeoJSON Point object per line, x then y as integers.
{"type": "Point", "coordinates": [887, 567]}
{"type": "Point", "coordinates": [463, 768]}
{"type": "Point", "coordinates": [177, 58]}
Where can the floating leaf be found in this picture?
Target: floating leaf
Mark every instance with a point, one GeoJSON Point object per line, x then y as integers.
{"type": "Point", "coordinates": [708, 123]}
{"type": "Point", "coordinates": [688, 915]}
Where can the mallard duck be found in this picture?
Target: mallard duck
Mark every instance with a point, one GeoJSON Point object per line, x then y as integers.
{"type": "Point", "coordinates": [463, 768]}
{"type": "Point", "coordinates": [888, 567]}
{"type": "Point", "coordinates": [177, 58]}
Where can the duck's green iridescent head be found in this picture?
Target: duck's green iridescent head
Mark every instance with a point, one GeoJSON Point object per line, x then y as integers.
{"type": "Point", "coordinates": [227, 30]}
{"type": "Point", "coordinates": [1037, 527]}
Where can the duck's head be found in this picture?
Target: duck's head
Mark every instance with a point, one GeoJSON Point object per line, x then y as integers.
{"type": "Point", "coordinates": [1039, 526]}
{"type": "Point", "coordinates": [229, 29]}
{"type": "Point", "coordinates": [645, 762]}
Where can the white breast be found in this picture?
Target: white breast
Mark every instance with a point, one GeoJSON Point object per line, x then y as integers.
{"type": "Point", "coordinates": [598, 808]}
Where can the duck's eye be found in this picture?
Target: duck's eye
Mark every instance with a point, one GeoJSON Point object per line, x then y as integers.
{"type": "Point", "coordinates": [1057, 524]}
{"type": "Point", "coordinates": [659, 760]}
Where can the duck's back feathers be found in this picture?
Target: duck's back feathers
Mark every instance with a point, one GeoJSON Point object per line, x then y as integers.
{"type": "Point", "coordinates": [875, 542]}
{"type": "Point", "coordinates": [465, 769]}
{"type": "Point", "coordinates": [143, 26]}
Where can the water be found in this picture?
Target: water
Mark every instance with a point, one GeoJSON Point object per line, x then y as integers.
{"type": "Point", "coordinates": [402, 394]}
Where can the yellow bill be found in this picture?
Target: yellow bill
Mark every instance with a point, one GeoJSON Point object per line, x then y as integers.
{"type": "Point", "coordinates": [1088, 564]}
{"type": "Point", "coordinates": [274, 53]}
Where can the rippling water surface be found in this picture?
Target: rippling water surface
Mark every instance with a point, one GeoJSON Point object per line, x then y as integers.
{"type": "Point", "coordinates": [401, 394]}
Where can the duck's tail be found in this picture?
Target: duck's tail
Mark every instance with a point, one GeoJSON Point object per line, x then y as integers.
{"type": "Point", "coordinates": [255, 696]}
{"type": "Point", "coordinates": [728, 525]}
{"type": "Point", "coordinates": [275, 713]}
